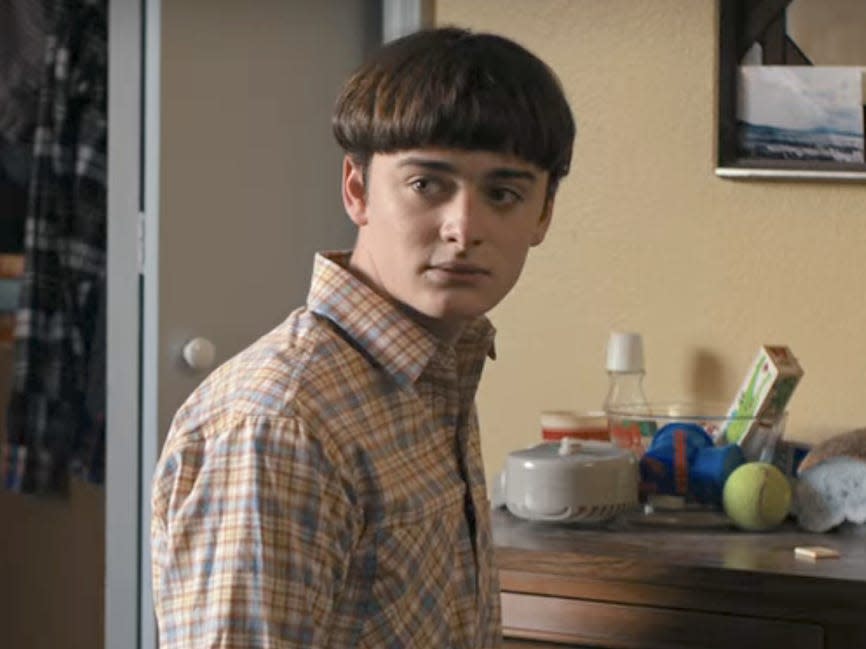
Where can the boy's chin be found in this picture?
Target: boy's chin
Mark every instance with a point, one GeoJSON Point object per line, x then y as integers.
{"type": "Point", "coordinates": [455, 315]}
{"type": "Point", "coordinates": [435, 316]}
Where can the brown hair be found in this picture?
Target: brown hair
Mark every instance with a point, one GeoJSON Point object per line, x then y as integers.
{"type": "Point", "coordinates": [452, 88]}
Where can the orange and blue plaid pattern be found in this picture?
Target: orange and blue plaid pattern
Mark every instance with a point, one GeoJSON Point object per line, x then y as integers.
{"type": "Point", "coordinates": [324, 488]}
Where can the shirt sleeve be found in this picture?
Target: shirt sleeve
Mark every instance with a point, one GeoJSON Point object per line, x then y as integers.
{"type": "Point", "coordinates": [251, 533]}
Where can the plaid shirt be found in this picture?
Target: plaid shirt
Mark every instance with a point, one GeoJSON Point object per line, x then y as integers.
{"type": "Point", "coordinates": [55, 421]}
{"type": "Point", "coordinates": [324, 488]}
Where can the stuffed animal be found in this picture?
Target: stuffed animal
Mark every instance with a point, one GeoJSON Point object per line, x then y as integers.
{"type": "Point", "coordinates": [831, 485]}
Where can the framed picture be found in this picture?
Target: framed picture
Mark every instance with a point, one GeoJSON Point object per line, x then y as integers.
{"type": "Point", "coordinates": [792, 89]}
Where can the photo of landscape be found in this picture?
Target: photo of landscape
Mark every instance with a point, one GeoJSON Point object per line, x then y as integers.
{"type": "Point", "coordinates": [801, 113]}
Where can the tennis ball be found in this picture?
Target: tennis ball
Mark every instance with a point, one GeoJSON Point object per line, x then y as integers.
{"type": "Point", "coordinates": [757, 496]}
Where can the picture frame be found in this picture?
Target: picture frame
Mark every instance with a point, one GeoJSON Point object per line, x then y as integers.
{"type": "Point", "coordinates": [787, 109]}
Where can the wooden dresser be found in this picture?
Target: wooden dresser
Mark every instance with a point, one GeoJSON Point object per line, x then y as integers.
{"type": "Point", "coordinates": [624, 586]}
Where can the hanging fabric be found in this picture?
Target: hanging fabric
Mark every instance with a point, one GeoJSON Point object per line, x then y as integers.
{"type": "Point", "coordinates": [22, 44]}
{"type": "Point", "coordinates": [55, 422]}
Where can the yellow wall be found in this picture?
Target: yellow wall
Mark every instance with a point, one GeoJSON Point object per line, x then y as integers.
{"type": "Point", "coordinates": [646, 238]}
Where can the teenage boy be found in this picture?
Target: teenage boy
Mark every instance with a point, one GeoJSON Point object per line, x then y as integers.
{"type": "Point", "coordinates": [324, 488]}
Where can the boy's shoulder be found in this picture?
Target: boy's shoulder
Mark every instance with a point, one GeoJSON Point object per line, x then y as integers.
{"type": "Point", "coordinates": [291, 371]}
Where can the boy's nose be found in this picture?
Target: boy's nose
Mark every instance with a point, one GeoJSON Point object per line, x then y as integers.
{"type": "Point", "coordinates": [462, 222]}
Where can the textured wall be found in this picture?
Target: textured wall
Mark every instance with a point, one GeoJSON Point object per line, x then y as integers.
{"type": "Point", "coordinates": [646, 238]}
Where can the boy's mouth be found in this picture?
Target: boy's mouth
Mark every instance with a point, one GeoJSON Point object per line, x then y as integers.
{"type": "Point", "coordinates": [459, 268]}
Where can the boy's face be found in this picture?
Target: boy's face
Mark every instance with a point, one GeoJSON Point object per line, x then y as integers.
{"type": "Point", "coordinates": [445, 232]}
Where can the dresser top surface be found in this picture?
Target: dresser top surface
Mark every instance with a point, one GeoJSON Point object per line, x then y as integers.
{"type": "Point", "coordinates": [634, 548]}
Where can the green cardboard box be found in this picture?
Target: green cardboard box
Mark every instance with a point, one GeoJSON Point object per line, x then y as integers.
{"type": "Point", "coordinates": [765, 392]}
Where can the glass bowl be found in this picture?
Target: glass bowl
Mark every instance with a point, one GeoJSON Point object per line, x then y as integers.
{"type": "Point", "coordinates": [633, 426]}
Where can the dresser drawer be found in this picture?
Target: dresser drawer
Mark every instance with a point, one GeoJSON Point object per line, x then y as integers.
{"type": "Point", "coordinates": [600, 624]}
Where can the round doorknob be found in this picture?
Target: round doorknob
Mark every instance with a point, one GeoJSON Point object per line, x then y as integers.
{"type": "Point", "coordinates": [199, 353]}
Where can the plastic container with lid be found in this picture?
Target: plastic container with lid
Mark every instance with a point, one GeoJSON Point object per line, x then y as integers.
{"type": "Point", "coordinates": [556, 424]}
{"type": "Point", "coordinates": [571, 481]}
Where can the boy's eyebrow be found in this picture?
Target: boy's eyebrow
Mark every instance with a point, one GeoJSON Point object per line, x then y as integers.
{"type": "Point", "coordinates": [510, 172]}
{"type": "Point", "coordinates": [441, 165]}
{"type": "Point", "coordinates": [427, 163]}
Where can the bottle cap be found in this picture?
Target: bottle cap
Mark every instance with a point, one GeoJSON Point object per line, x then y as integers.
{"type": "Point", "coordinates": [624, 352]}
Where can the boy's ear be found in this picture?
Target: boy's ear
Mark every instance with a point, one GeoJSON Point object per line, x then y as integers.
{"type": "Point", "coordinates": [354, 191]}
{"type": "Point", "coordinates": [543, 222]}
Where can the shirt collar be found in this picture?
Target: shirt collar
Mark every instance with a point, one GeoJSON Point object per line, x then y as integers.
{"type": "Point", "coordinates": [395, 341]}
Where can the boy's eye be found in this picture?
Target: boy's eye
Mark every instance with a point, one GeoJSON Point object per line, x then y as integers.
{"type": "Point", "coordinates": [504, 195]}
{"type": "Point", "coordinates": [427, 186]}
{"type": "Point", "coordinates": [421, 185]}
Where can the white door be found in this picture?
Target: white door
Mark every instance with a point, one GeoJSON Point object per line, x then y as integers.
{"type": "Point", "coordinates": [224, 148]}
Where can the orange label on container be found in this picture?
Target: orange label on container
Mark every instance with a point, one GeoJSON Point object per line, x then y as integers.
{"type": "Point", "coordinates": [589, 432]}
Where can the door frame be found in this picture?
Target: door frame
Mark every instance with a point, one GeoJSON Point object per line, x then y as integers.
{"type": "Point", "coordinates": [122, 470]}
{"type": "Point", "coordinates": [133, 192]}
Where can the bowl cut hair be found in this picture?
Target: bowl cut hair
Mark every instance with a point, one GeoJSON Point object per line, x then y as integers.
{"type": "Point", "coordinates": [452, 88]}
